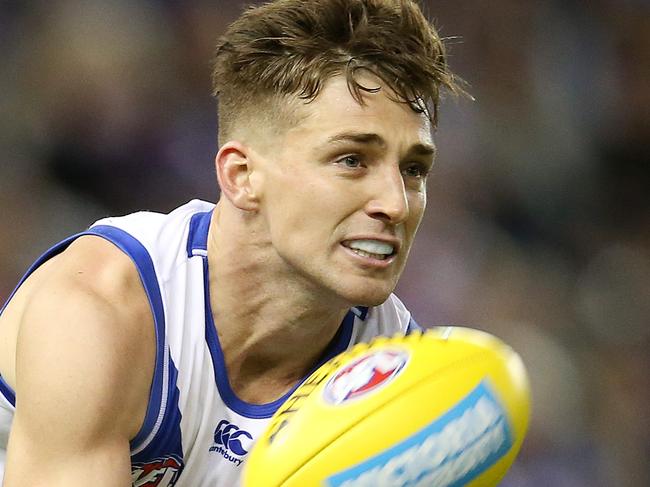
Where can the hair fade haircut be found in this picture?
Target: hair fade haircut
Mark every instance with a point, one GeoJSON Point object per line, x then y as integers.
{"type": "Point", "coordinates": [292, 47]}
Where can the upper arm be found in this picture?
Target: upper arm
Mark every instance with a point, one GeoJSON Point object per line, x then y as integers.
{"type": "Point", "coordinates": [84, 360]}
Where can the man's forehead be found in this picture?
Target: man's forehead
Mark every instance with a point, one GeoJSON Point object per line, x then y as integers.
{"type": "Point", "coordinates": [375, 119]}
{"type": "Point", "coordinates": [424, 147]}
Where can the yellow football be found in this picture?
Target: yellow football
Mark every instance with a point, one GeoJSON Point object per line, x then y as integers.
{"type": "Point", "coordinates": [445, 408]}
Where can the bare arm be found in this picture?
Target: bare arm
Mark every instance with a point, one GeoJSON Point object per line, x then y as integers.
{"type": "Point", "coordinates": [84, 361]}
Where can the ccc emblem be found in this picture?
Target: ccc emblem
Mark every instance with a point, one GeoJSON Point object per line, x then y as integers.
{"type": "Point", "coordinates": [230, 437]}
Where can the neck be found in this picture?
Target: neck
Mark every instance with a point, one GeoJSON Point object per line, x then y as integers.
{"type": "Point", "coordinates": [272, 327]}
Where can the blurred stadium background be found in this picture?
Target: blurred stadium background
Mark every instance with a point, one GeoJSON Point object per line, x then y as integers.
{"type": "Point", "coordinates": [538, 227]}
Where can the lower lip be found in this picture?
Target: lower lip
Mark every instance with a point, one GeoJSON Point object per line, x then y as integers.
{"type": "Point", "coordinates": [369, 261]}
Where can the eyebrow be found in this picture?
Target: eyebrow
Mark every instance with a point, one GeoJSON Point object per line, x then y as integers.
{"type": "Point", "coordinates": [418, 149]}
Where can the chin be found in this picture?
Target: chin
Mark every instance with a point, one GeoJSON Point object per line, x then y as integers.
{"type": "Point", "coordinates": [367, 295]}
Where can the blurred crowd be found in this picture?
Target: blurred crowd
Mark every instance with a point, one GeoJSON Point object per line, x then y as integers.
{"type": "Point", "coordinates": [538, 221]}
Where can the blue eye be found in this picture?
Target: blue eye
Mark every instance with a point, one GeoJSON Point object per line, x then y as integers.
{"type": "Point", "coordinates": [350, 161]}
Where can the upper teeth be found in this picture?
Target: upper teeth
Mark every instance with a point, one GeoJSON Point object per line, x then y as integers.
{"type": "Point", "coordinates": [371, 246]}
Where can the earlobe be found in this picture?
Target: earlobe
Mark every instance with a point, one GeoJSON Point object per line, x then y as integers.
{"type": "Point", "coordinates": [234, 168]}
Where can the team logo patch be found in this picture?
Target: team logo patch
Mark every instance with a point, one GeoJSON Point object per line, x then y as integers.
{"type": "Point", "coordinates": [450, 452]}
{"type": "Point", "coordinates": [162, 472]}
{"type": "Point", "coordinates": [366, 374]}
{"type": "Point", "coordinates": [231, 442]}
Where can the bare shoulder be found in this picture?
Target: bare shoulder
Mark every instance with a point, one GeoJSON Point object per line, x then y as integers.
{"type": "Point", "coordinates": [86, 343]}
{"type": "Point", "coordinates": [84, 350]}
{"type": "Point", "coordinates": [99, 266]}
{"type": "Point", "coordinates": [98, 274]}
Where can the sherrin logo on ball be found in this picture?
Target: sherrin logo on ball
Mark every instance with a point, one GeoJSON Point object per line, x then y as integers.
{"type": "Point", "coordinates": [446, 408]}
{"type": "Point", "coordinates": [372, 371]}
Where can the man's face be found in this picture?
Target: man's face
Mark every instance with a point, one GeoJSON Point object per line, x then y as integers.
{"type": "Point", "coordinates": [343, 192]}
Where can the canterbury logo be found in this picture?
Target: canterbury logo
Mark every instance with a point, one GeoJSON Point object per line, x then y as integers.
{"type": "Point", "coordinates": [229, 441]}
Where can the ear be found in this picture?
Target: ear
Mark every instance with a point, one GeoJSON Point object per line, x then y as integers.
{"type": "Point", "coordinates": [234, 167]}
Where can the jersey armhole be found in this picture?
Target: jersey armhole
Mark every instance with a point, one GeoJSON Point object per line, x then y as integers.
{"type": "Point", "coordinates": [144, 265]}
{"type": "Point", "coordinates": [159, 391]}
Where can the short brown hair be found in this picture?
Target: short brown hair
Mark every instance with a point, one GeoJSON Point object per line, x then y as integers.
{"type": "Point", "coordinates": [291, 47]}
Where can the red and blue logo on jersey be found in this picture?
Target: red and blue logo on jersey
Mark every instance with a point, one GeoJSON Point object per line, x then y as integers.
{"type": "Point", "coordinates": [368, 373]}
{"type": "Point", "coordinates": [162, 472]}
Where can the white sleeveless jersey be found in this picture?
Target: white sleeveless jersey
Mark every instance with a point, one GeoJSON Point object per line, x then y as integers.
{"type": "Point", "coordinates": [197, 432]}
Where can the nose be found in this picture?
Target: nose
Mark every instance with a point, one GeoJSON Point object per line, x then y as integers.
{"type": "Point", "coordinates": [388, 201]}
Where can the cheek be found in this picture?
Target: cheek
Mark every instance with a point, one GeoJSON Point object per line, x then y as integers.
{"type": "Point", "coordinates": [298, 212]}
{"type": "Point", "coordinates": [284, 189]}
{"type": "Point", "coordinates": [417, 205]}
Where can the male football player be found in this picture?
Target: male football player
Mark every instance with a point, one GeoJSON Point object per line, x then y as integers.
{"type": "Point", "coordinates": [152, 349]}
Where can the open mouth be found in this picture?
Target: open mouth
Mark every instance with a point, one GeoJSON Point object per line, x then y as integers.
{"type": "Point", "coordinates": [371, 249]}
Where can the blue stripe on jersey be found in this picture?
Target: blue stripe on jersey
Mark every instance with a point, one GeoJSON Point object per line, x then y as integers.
{"type": "Point", "coordinates": [337, 345]}
{"type": "Point", "coordinates": [168, 438]}
{"type": "Point", "coordinates": [413, 326]}
{"type": "Point", "coordinates": [361, 312]}
{"type": "Point", "coordinates": [198, 234]}
{"type": "Point", "coordinates": [7, 392]}
{"type": "Point", "coordinates": [163, 417]}
{"type": "Point", "coordinates": [142, 260]}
